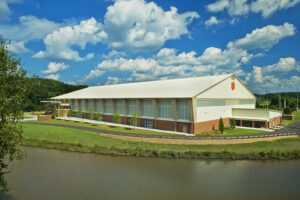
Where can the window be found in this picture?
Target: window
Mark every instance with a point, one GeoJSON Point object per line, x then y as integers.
{"type": "Point", "coordinates": [183, 110]}
{"type": "Point", "coordinates": [108, 106]}
{"type": "Point", "coordinates": [246, 101]}
{"type": "Point", "coordinates": [81, 105]}
{"type": "Point", "coordinates": [131, 107]}
{"type": "Point", "coordinates": [147, 108]}
{"type": "Point", "coordinates": [74, 105]}
{"type": "Point", "coordinates": [90, 105]}
{"type": "Point", "coordinates": [165, 110]}
{"type": "Point", "coordinates": [206, 103]}
{"type": "Point", "coordinates": [119, 107]}
{"type": "Point", "coordinates": [98, 106]}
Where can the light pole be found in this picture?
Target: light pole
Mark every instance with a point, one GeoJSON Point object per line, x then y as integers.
{"type": "Point", "coordinates": [297, 100]}
{"type": "Point", "coordinates": [280, 97]}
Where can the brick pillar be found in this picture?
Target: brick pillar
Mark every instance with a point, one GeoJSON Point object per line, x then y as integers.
{"type": "Point", "coordinates": [241, 122]}
{"type": "Point", "coordinates": [267, 124]}
{"type": "Point", "coordinates": [253, 124]}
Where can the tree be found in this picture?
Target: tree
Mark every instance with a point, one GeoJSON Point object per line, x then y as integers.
{"type": "Point", "coordinates": [287, 111]}
{"type": "Point", "coordinates": [133, 119]}
{"type": "Point", "coordinates": [117, 118]}
{"type": "Point", "coordinates": [12, 91]}
{"type": "Point", "coordinates": [221, 125]}
{"type": "Point", "coordinates": [233, 123]}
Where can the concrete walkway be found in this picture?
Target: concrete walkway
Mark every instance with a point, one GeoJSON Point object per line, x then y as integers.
{"type": "Point", "coordinates": [30, 118]}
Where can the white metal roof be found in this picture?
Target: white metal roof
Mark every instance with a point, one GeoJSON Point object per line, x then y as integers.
{"type": "Point", "coordinates": [172, 88]}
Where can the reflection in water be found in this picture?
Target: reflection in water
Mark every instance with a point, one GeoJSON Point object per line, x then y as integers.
{"type": "Point", "coordinates": [51, 174]}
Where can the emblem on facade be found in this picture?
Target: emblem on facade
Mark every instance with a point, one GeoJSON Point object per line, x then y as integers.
{"type": "Point", "coordinates": [232, 85]}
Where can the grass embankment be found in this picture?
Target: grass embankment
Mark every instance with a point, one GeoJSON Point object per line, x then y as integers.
{"type": "Point", "coordinates": [34, 113]}
{"type": "Point", "coordinates": [84, 141]}
{"type": "Point", "coordinates": [237, 131]}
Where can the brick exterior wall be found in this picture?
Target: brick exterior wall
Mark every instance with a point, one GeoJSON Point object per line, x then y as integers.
{"type": "Point", "coordinates": [65, 112]}
{"type": "Point", "coordinates": [274, 122]}
{"type": "Point", "coordinates": [44, 117]}
{"type": "Point", "coordinates": [288, 117]}
{"type": "Point", "coordinates": [207, 126]}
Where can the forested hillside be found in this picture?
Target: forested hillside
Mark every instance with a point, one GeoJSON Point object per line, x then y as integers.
{"type": "Point", "coordinates": [43, 90]}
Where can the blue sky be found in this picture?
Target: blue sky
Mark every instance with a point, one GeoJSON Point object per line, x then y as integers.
{"type": "Point", "coordinates": [98, 42]}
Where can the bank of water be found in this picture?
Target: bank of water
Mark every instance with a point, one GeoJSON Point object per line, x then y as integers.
{"type": "Point", "coordinates": [52, 174]}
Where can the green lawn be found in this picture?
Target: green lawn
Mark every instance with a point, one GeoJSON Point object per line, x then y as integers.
{"type": "Point", "coordinates": [40, 135]}
{"type": "Point", "coordinates": [104, 127]}
{"type": "Point", "coordinates": [237, 131]}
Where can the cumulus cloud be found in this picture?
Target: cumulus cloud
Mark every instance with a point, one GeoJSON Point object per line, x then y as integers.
{"type": "Point", "coordinates": [145, 28]}
{"type": "Point", "coordinates": [28, 28]}
{"type": "Point", "coordinates": [94, 74]}
{"type": "Point", "coordinates": [54, 67]}
{"type": "Point", "coordinates": [270, 77]}
{"type": "Point", "coordinates": [53, 76]}
{"type": "Point", "coordinates": [267, 7]}
{"type": "Point", "coordinates": [212, 21]}
{"type": "Point", "coordinates": [17, 47]}
{"type": "Point", "coordinates": [243, 7]}
{"type": "Point", "coordinates": [233, 7]}
{"type": "Point", "coordinates": [59, 43]}
{"type": "Point", "coordinates": [112, 80]}
{"type": "Point", "coordinates": [264, 38]}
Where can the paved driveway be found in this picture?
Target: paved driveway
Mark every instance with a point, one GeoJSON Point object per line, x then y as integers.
{"type": "Point", "coordinates": [291, 128]}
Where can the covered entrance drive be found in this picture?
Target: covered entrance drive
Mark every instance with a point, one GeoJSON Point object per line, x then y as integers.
{"type": "Point", "coordinates": [256, 118]}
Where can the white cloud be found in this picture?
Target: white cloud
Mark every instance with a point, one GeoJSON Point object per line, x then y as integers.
{"type": "Point", "coordinates": [284, 66]}
{"type": "Point", "coordinates": [243, 7]}
{"type": "Point", "coordinates": [53, 76]}
{"type": "Point", "coordinates": [17, 47]}
{"type": "Point", "coordinates": [28, 28]}
{"type": "Point", "coordinates": [145, 28]}
{"type": "Point", "coordinates": [233, 7]}
{"type": "Point", "coordinates": [114, 54]}
{"type": "Point", "coordinates": [267, 7]}
{"type": "Point", "coordinates": [264, 38]}
{"type": "Point", "coordinates": [112, 80]}
{"type": "Point", "coordinates": [212, 21]}
{"type": "Point", "coordinates": [54, 67]}
{"type": "Point", "coordinates": [270, 77]}
{"type": "Point", "coordinates": [94, 74]}
{"type": "Point", "coordinates": [59, 43]}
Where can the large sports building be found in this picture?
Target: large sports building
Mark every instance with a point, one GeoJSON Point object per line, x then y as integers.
{"type": "Point", "coordinates": [192, 105]}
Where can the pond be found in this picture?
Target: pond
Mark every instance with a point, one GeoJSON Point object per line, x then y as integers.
{"type": "Point", "coordinates": [51, 174]}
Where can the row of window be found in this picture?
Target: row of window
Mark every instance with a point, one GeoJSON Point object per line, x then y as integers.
{"type": "Point", "coordinates": [224, 102]}
{"type": "Point", "coordinates": [164, 108]}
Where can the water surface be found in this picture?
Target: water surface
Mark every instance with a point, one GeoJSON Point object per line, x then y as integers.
{"type": "Point", "coordinates": [52, 174]}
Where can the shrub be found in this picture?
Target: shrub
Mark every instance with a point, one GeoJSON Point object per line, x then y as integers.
{"type": "Point", "coordinates": [54, 112]}
{"type": "Point", "coordinates": [117, 118]}
{"type": "Point", "coordinates": [91, 114]}
{"type": "Point", "coordinates": [233, 123]}
{"type": "Point", "coordinates": [98, 116]}
{"type": "Point", "coordinates": [79, 113]}
{"type": "Point", "coordinates": [70, 113]}
{"type": "Point", "coordinates": [61, 112]}
{"type": "Point", "coordinates": [133, 120]}
{"type": "Point", "coordinates": [221, 125]}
